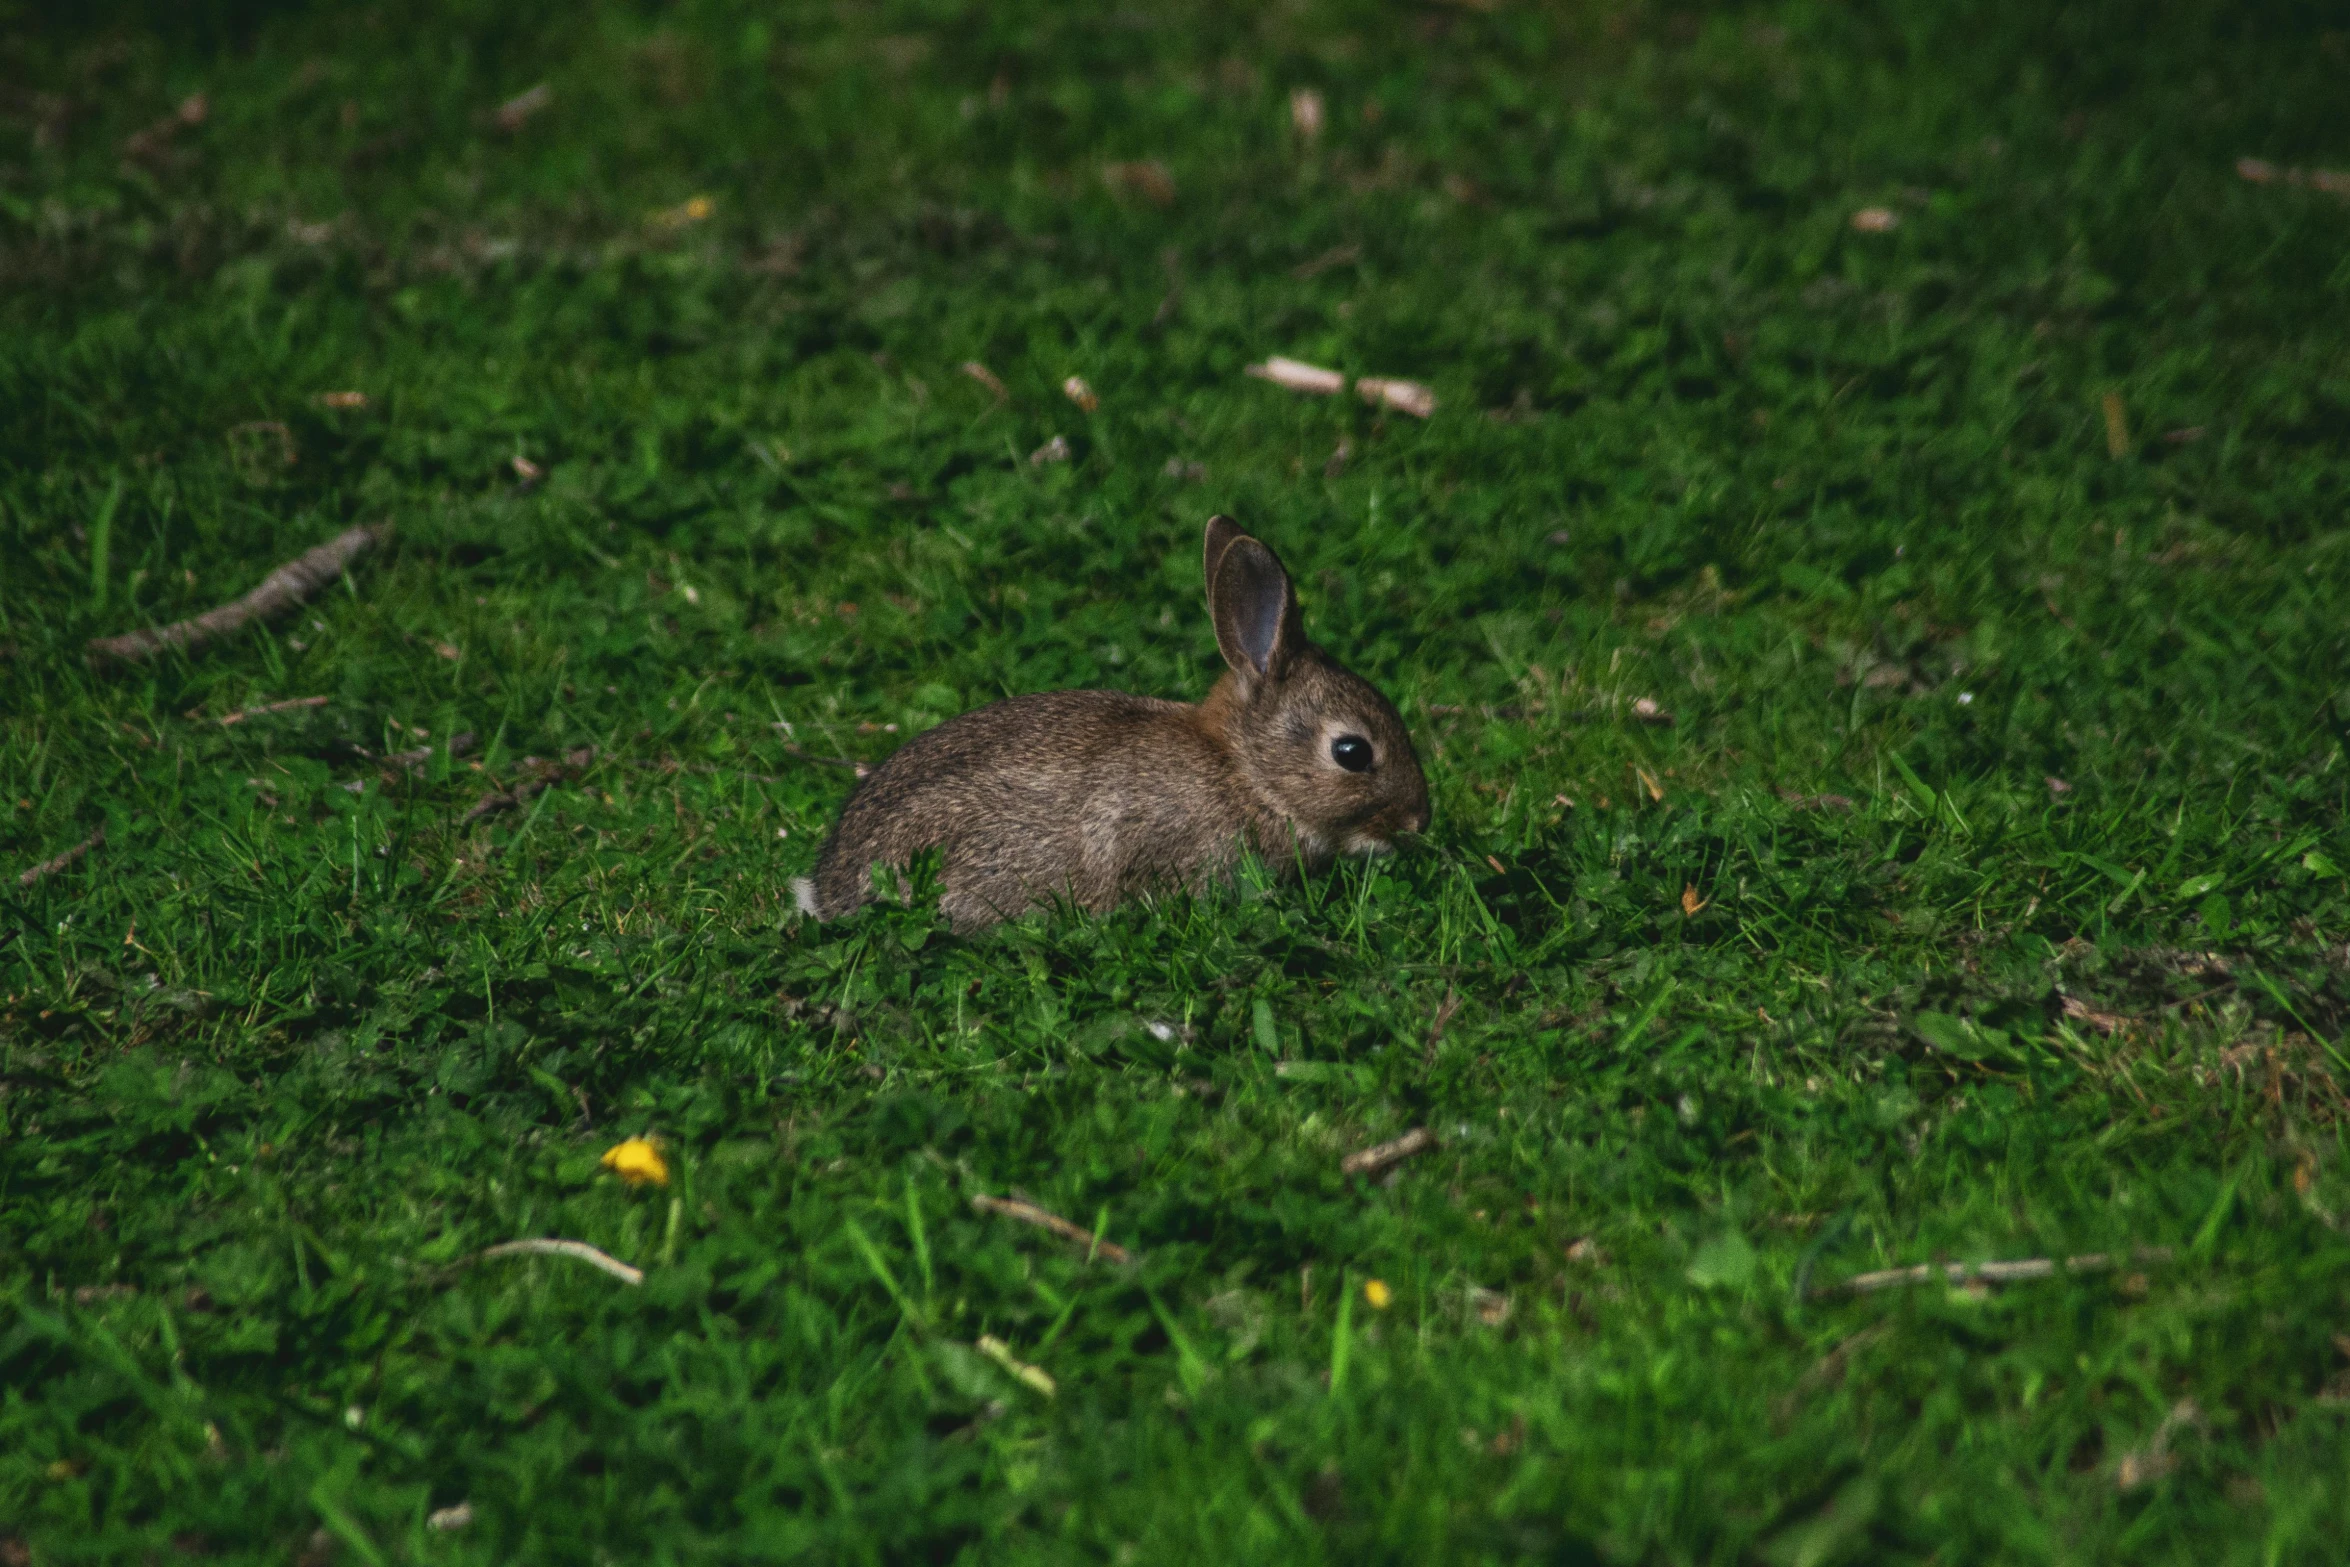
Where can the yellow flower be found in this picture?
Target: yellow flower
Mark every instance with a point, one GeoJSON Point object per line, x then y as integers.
{"type": "Point", "coordinates": [1378, 1294]}
{"type": "Point", "coordinates": [637, 1161]}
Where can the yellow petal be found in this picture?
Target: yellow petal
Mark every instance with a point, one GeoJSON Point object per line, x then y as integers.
{"type": "Point", "coordinates": [1378, 1294]}
{"type": "Point", "coordinates": [637, 1161]}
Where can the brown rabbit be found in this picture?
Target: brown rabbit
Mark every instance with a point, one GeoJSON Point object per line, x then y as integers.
{"type": "Point", "coordinates": [1095, 796]}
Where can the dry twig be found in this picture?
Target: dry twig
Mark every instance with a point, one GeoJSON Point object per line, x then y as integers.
{"type": "Point", "coordinates": [541, 776]}
{"type": "Point", "coordinates": [1963, 1273]}
{"type": "Point", "coordinates": [52, 866]}
{"type": "Point", "coordinates": [1030, 1213]}
{"type": "Point", "coordinates": [1408, 397]}
{"type": "Point", "coordinates": [987, 378]}
{"type": "Point", "coordinates": [517, 111]}
{"type": "Point", "coordinates": [2332, 181]}
{"type": "Point", "coordinates": [281, 590]}
{"type": "Point", "coordinates": [291, 704]}
{"type": "Point", "coordinates": [1444, 1011]}
{"type": "Point", "coordinates": [1379, 1156]}
{"type": "Point", "coordinates": [1295, 375]}
{"type": "Point", "coordinates": [578, 1251]}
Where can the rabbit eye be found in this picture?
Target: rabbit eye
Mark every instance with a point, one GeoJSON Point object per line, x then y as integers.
{"type": "Point", "coordinates": [1351, 752]}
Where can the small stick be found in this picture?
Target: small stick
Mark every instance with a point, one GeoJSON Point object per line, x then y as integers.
{"type": "Point", "coordinates": [1991, 1272]}
{"type": "Point", "coordinates": [544, 776]}
{"type": "Point", "coordinates": [52, 867]}
{"type": "Point", "coordinates": [579, 1251]}
{"type": "Point", "coordinates": [987, 378]}
{"type": "Point", "coordinates": [1000, 1352]}
{"type": "Point", "coordinates": [281, 590]}
{"type": "Point", "coordinates": [1377, 1157]}
{"type": "Point", "coordinates": [267, 708]}
{"type": "Point", "coordinates": [1403, 396]}
{"type": "Point", "coordinates": [1444, 1011]}
{"type": "Point", "coordinates": [1296, 376]}
{"type": "Point", "coordinates": [1030, 1213]}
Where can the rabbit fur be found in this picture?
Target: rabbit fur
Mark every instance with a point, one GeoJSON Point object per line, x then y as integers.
{"type": "Point", "coordinates": [1097, 796]}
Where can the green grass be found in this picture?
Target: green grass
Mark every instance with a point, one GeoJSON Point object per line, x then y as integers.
{"type": "Point", "coordinates": [297, 1038]}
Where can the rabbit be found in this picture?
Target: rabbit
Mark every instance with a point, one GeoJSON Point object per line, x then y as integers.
{"type": "Point", "coordinates": [1097, 796]}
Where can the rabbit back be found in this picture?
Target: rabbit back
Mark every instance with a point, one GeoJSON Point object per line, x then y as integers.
{"type": "Point", "coordinates": [1091, 796]}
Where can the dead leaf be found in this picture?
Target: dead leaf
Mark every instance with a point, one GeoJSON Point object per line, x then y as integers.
{"type": "Point", "coordinates": [2057, 785]}
{"type": "Point", "coordinates": [2117, 427]}
{"type": "Point", "coordinates": [1054, 450]}
{"type": "Point", "coordinates": [1656, 791]}
{"type": "Point", "coordinates": [342, 399]}
{"type": "Point", "coordinates": [524, 469]}
{"type": "Point", "coordinates": [1691, 903]}
{"type": "Point", "coordinates": [1075, 389]}
{"type": "Point", "coordinates": [1876, 220]}
{"type": "Point", "coordinates": [1645, 709]}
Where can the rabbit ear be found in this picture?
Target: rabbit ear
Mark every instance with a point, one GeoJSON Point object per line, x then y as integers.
{"type": "Point", "coordinates": [1222, 530]}
{"type": "Point", "coordinates": [1254, 607]}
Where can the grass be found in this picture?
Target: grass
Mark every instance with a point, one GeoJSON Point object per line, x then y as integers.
{"type": "Point", "coordinates": [1983, 899]}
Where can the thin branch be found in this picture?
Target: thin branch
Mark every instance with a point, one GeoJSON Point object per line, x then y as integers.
{"type": "Point", "coordinates": [1444, 1011]}
{"type": "Point", "coordinates": [1379, 1156]}
{"type": "Point", "coordinates": [52, 867]}
{"type": "Point", "coordinates": [1990, 1272]}
{"type": "Point", "coordinates": [542, 775]}
{"type": "Point", "coordinates": [1030, 1213]}
{"type": "Point", "coordinates": [281, 590]}
{"type": "Point", "coordinates": [263, 711]}
{"type": "Point", "coordinates": [579, 1251]}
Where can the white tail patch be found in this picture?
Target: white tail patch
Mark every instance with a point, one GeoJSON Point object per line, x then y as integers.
{"type": "Point", "coordinates": [803, 892]}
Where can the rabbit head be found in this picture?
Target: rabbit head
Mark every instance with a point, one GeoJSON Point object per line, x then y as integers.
{"type": "Point", "coordinates": [1317, 745]}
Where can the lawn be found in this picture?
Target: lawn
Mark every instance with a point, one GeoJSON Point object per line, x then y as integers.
{"type": "Point", "coordinates": [1869, 596]}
